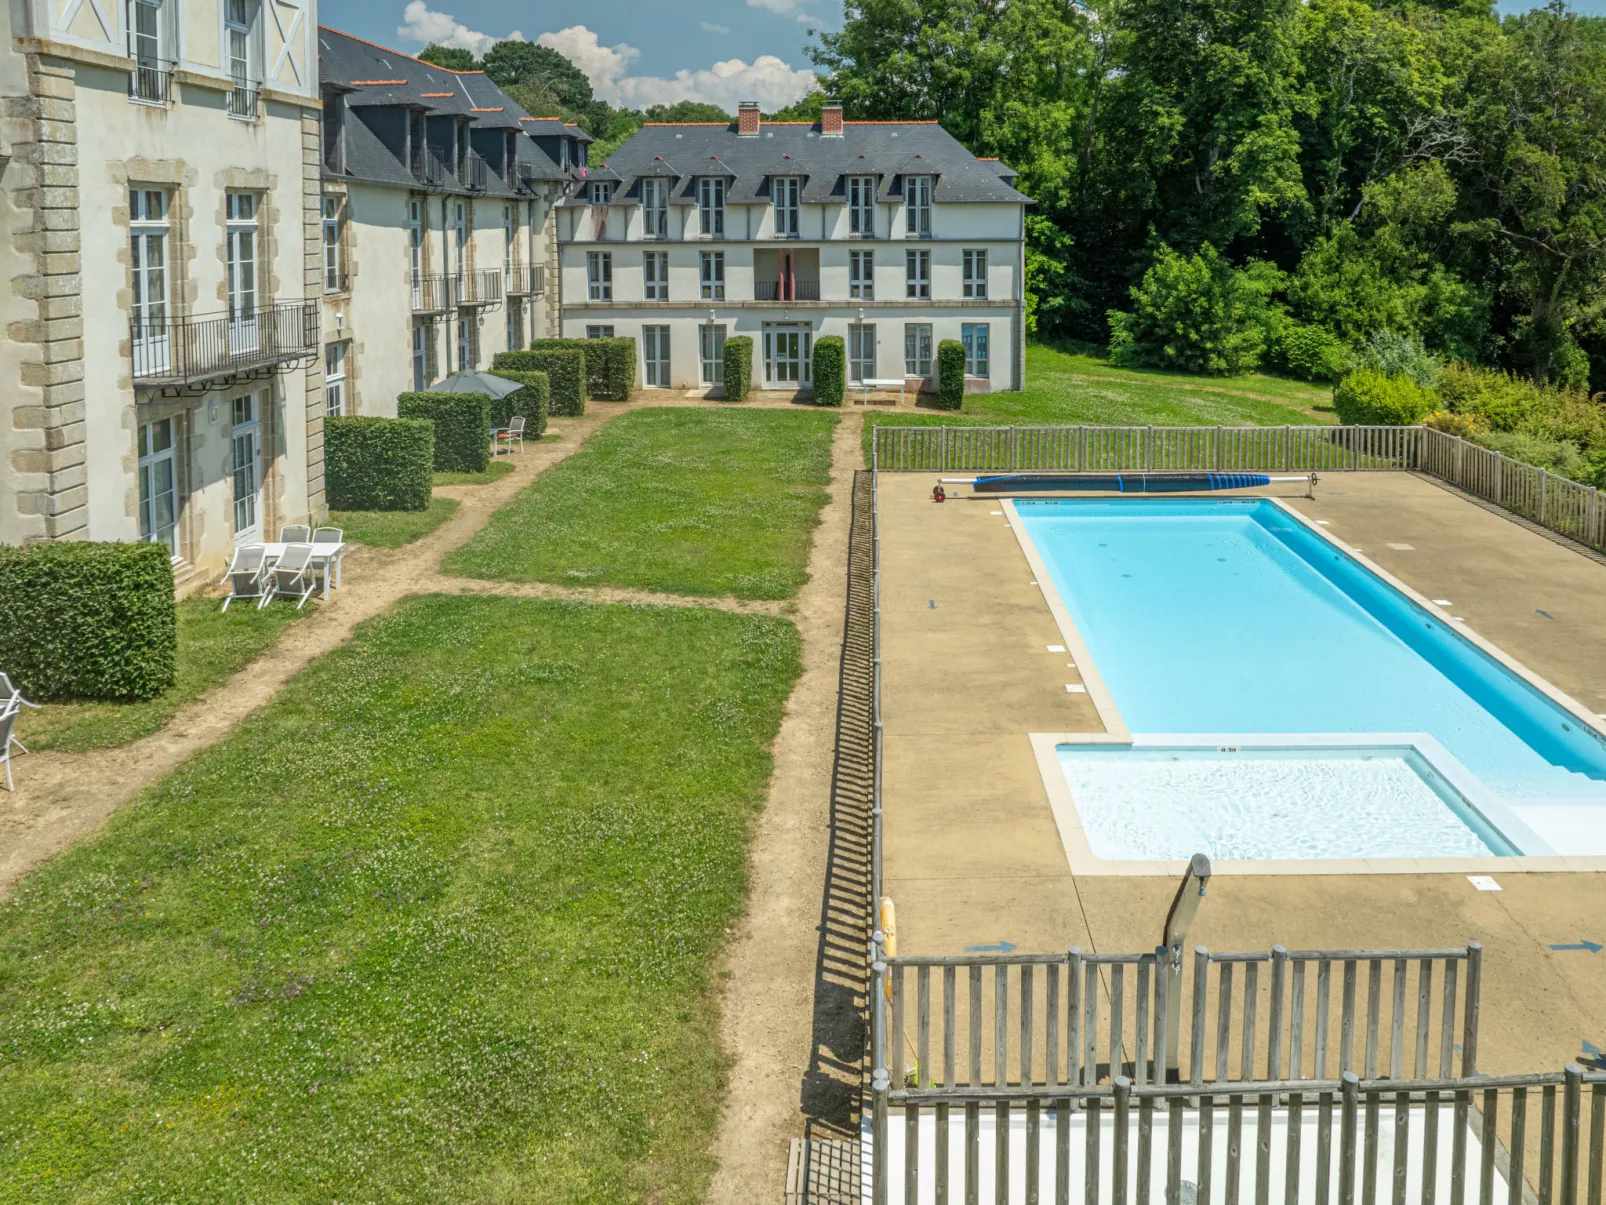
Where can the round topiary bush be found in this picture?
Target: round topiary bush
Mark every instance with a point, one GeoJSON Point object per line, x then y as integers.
{"type": "Point", "coordinates": [1370, 397]}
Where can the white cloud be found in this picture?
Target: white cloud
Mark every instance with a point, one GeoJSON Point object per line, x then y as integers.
{"type": "Point", "coordinates": [710, 27]}
{"type": "Point", "coordinates": [786, 8]}
{"type": "Point", "coordinates": [767, 79]}
{"type": "Point", "coordinates": [423, 24]}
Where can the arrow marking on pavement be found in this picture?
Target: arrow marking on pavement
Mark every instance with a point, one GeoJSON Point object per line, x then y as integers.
{"type": "Point", "coordinates": [1000, 947]}
{"type": "Point", "coordinates": [1594, 947]}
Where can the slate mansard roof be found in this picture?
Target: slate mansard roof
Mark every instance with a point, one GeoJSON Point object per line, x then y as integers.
{"type": "Point", "coordinates": [381, 86]}
{"type": "Point", "coordinates": [886, 150]}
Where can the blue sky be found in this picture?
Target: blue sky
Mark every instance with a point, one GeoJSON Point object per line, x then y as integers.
{"type": "Point", "coordinates": [637, 53]}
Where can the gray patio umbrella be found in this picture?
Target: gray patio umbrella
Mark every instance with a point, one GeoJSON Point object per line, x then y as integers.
{"type": "Point", "coordinates": [469, 381]}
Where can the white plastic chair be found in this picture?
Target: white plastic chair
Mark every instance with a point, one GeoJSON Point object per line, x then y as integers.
{"type": "Point", "coordinates": [297, 534]}
{"type": "Point", "coordinates": [330, 535]}
{"type": "Point", "coordinates": [245, 573]}
{"type": "Point", "coordinates": [504, 437]}
{"type": "Point", "coordinates": [8, 720]}
{"type": "Point", "coordinates": [11, 697]}
{"type": "Point", "coordinates": [291, 576]}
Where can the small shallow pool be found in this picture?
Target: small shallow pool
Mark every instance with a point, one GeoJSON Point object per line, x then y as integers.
{"type": "Point", "coordinates": [1232, 617]}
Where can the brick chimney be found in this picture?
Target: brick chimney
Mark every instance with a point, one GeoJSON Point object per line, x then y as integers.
{"type": "Point", "coordinates": [747, 119]}
{"type": "Point", "coordinates": [831, 119]}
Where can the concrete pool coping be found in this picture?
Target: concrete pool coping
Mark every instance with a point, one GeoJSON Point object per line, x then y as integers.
{"type": "Point", "coordinates": [1078, 850]}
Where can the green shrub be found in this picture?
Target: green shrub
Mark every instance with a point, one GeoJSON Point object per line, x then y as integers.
{"type": "Point", "coordinates": [738, 367]}
{"type": "Point", "coordinates": [83, 620]}
{"type": "Point", "coordinates": [378, 463]}
{"type": "Point", "coordinates": [1560, 456]}
{"type": "Point", "coordinates": [1395, 354]}
{"type": "Point", "coordinates": [531, 401]}
{"type": "Point", "coordinates": [462, 427]}
{"type": "Point", "coordinates": [1368, 396]}
{"type": "Point", "coordinates": [1501, 401]}
{"type": "Point", "coordinates": [1311, 353]}
{"type": "Point", "coordinates": [566, 375]}
{"type": "Point", "coordinates": [610, 364]}
{"type": "Point", "coordinates": [830, 370]}
{"type": "Point", "coordinates": [950, 374]}
{"type": "Point", "coordinates": [1196, 313]}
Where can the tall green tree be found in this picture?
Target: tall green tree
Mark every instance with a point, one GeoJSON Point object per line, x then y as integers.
{"type": "Point", "coordinates": [453, 58]}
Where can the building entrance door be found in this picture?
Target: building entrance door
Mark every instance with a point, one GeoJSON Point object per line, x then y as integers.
{"type": "Point", "coordinates": [788, 348]}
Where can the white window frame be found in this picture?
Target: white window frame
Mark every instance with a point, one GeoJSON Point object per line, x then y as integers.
{"type": "Point", "coordinates": [654, 209]}
{"type": "Point", "coordinates": [599, 332]}
{"type": "Point", "coordinates": [599, 275]}
{"type": "Point", "coordinates": [712, 276]}
{"type": "Point", "coordinates": [773, 332]}
{"type": "Point", "coordinates": [711, 347]}
{"type": "Point", "coordinates": [785, 195]}
{"type": "Point", "coordinates": [917, 349]}
{"type": "Point", "coordinates": [245, 466]}
{"type": "Point", "coordinates": [415, 248]}
{"type": "Point", "coordinates": [655, 276]}
{"type": "Point", "coordinates": [601, 192]}
{"type": "Point", "coordinates": [655, 368]}
{"type": "Point", "coordinates": [514, 330]}
{"type": "Point", "coordinates": [861, 275]}
{"type": "Point", "coordinates": [861, 364]}
{"type": "Point", "coordinates": [510, 235]}
{"type": "Point", "coordinates": [460, 227]}
{"type": "Point", "coordinates": [468, 343]}
{"type": "Point", "coordinates": [711, 206]}
{"type": "Point", "coordinates": [917, 274]}
{"type": "Point", "coordinates": [333, 277]}
{"type": "Point", "coordinates": [243, 238]}
{"type": "Point", "coordinates": [423, 354]}
{"type": "Point", "coordinates": [148, 253]}
{"type": "Point", "coordinates": [861, 206]}
{"type": "Point", "coordinates": [975, 274]}
{"type": "Point", "coordinates": [158, 481]}
{"type": "Point", "coordinates": [978, 348]}
{"type": "Point", "coordinates": [334, 379]}
{"type": "Point", "coordinates": [242, 25]}
{"type": "Point", "coordinates": [917, 206]}
{"type": "Point", "coordinates": [150, 46]}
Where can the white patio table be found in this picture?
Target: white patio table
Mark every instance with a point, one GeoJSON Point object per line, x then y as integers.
{"type": "Point", "coordinates": [326, 555]}
{"type": "Point", "coordinates": [867, 385]}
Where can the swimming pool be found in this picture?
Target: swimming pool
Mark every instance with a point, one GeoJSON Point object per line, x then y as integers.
{"type": "Point", "coordinates": [1235, 618]}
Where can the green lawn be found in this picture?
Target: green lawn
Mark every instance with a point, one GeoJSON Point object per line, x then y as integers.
{"type": "Point", "coordinates": [392, 528]}
{"type": "Point", "coordinates": [704, 502]}
{"type": "Point", "coordinates": [437, 924]}
{"type": "Point", "coordinates": [494, 471]}
{"type": "Point", "coordinates": [211, 646]}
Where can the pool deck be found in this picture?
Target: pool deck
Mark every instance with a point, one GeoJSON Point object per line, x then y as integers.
{"type": "Point", "coordinates": [972, 855]}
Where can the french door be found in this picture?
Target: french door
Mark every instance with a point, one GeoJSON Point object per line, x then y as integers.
{"type": "Point", "coordinates": [788, 349]}
{"type": "Point", "coordinates": [247, 462]}
{"type": "Point", "coordinates": [861, 353]}
{"type": "Point", "coordinates": [655, 345]}
{"type": "Point", "coordinates": [242, 271]}
{"type": "Point", "coordinates": [712, 344]}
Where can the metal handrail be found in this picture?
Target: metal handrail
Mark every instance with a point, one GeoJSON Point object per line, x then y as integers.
{"type": "Point", "coordinates": [243, 101]}
{"type": "Point", "coordinates": [780, 290]}
{"type": "Point", "coordinates": [476, 288]}
{"type": "Point", "coordinates": [431, 292]}
{"type": "Point", "coordinates": [429, 168]}
{"type": "Point", "coordinates": [478, 172]}
{"type": "Point", "coordinates": [151, 81]}
{"type": "Point", "coordinates": [525, 280]}
{"type": "Point", "coordinates": [192, 350]}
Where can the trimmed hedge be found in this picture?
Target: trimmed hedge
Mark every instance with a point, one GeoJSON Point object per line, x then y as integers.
{"type": "Point", "coordinates": [610, 365]}
{"type": "Point", "coordinates": [565, 370]}
{"type": "Point", "coordinates": [83, 620]}
{"type": "Point", "coordinates": [738, 367]}
{"type": "Point", "coordinates": [531, 402]}
{"type": "Point", "coordinates": [950, 374]}
{"type": "Point", "coordinates": [378, 463]}
{"type": "Point", "coordinates": [462, 427]}
{"type": "Point", "coordinates": [830, 370]}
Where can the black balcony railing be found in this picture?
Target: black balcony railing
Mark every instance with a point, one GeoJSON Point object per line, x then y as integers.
{"type": "Point", "coordinates": [525, 280]}
{"type": "Point", "coordinates": [476, 288]}
{"type": "Point", "coordinates": [429, 168]}
{"type": "Point", "coordinates": [783, 290]}
{"type": "Point", "coordinates": [151, 81]}
{"type": "Point", "coordinates": [477, 173]}
{"type": "Point", "coordinates": [526, 176]}
{"type": "Point", "coordinates": [243, 101]}
{"type": "Point", "coordinates": [189, 352]}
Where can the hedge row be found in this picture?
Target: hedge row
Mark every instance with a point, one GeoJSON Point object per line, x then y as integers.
{"type": "Point", "coordinates": [462, 427]}
{"type": "Point", "coordinates": [565, 370]}
{"type": "Point", "coordinates": [610, 364]}
{"type": "Point", "coordinates": [950, 374]}
{"type": "Point", "coordinates": [85, 620]}
{"type": "Point", "coordinates": [830, 370]}
{"type": "Point", "coordinates": [530, 401]}
{"type": "Point", "coordinates": [738, 367]}
{"type": "Point", "coordinates": [378, 463]}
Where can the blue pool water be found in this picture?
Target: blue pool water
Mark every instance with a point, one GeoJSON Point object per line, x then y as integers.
{"type": "Point", "coordinates": [1229, 616]}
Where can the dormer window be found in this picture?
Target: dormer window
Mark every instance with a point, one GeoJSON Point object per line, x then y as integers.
{"type": "Point", "coordinates": [917, 205]}
{"type": "Point", "coordinates": [711, 206]}
{"type": "Point", "coordinates": [784, 192]}
{"type": "Point", "coordinates": [861, 206]}
{"type": "Point", "coordinates": [654, 210]}
{"type": "Point", "coordinates": [601, 192]}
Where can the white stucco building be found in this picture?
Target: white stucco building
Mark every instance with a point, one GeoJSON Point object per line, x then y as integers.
{"type": "Point", "coordinates": [159, 379]}
{"type": "Point", "coordinates": [889, 234]}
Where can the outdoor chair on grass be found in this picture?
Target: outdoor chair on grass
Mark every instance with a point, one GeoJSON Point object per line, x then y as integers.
{"type": "Point", "coordinates": [294, 535]}
{"type": "Point", "coordinates": [291, 576]}
{"type": "Point", "coordinates": [11, 697]}
{"type": "Point", "coordinates": [245, 574]}
{"type": "Point", "coordinates": [505, 437]}
{"type": "Point", "coordinates": [8, 720]}
{"type": "Point", "coordinates": [324, 563]}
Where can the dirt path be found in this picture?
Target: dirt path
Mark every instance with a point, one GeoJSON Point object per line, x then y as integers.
{"type": "Point", "coordinates": [768, 1010]}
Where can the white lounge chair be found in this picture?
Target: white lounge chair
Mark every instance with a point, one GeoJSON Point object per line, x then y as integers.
{"type": "Point", "coordinates": [10, 696]}
{"type": "Point", "coordinates": [329, 535]}
{"type": "Point", "coordinates": [291, 576]}
{"type": "Point", "coordinates": [504, 437]}
{"type": "Point", "coordinates": [8, 720]}
{"type": "Point", "coordinates": [296, 534]}
{"type": "Point", "coordinates": [245, 574]}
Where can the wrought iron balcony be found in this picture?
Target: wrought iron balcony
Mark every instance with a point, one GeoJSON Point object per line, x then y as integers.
{"type": "Point", "coordinates": [477, 172]}
{"type": "Point", "coordinates": [782, 290]}
{"type": "Point", "coordinates": [525, 280]}
{"type": "Point", "coordinates": [243, 101]}
{"type": "Point", "coordinates": [429, 169]}
{"type": "Point", "coordinates": [476, 289]}
{"type": "Point", "coordinates": [432, 293]}
{"type": "Point", "coordinates": [194, 352]}
{"type": "Point", "coordinates": [151, 81]}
